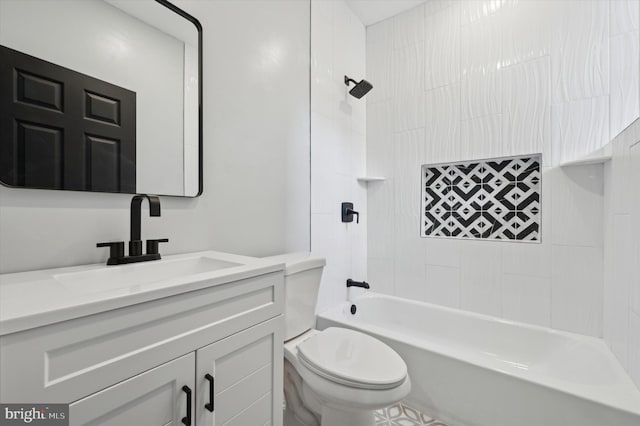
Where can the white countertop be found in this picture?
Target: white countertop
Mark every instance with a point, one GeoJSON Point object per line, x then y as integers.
{"type": "Point", "coordinates": [36, 298]}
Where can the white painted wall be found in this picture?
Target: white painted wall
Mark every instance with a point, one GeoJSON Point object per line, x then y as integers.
{"type": "Point", "coordinates": [338, 152]}
{"type": "Point", "coordinates": [122, 50]}
{"type": "Point", "coordinates": [459, 80]}
{"type": "Point", "coordinates": [256, 155]}
{"type": "Point", "coordinates": [622, 250]}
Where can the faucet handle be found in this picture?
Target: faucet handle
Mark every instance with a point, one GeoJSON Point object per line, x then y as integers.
{"type": "Point", "coordinates": [152, 245]}
{"type": "Point", "coordinates": [116, 249]}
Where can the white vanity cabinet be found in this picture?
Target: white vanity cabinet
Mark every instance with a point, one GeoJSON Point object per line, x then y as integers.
{"type": "Point", "coordinates": [237, 378]}
{"type": "Point", "coordinates": [243, 371]}
{"type": "Point", "coordinates": [135, 365]}
{"type": "Point", "coordinates": [155, 397]}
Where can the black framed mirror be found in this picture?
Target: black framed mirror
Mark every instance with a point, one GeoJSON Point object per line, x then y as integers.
{"type": "Point", "coordinates": [101, 96]}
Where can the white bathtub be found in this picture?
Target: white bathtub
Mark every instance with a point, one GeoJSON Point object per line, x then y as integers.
{"type": "Point", "coordinates": [476, 370]}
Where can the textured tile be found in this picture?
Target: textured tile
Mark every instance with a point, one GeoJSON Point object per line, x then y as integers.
{"type": "Point", "coordinates": [380, 205]}
{"type": "Point", "coordinates": [442, 252]}
{"type": "Point", "coordinates": [380, 273]}
{"type": "Point", "coordinates": [621, 193]}
{"type": "Point", "coordinates": [475, 10]}
{"type": "Point", "coordinates": [349, 38]}
{"type": "Point", "coordinates": [526, 298]}
{"type": "Point", "coordinates": [481, 45]}
{"type": "Point", "coordinates": [407, 156]}
{"type": "Point", "coordinates": [617, 288]}
{"type": "Point", "coordinates": [379, 54]}
{"type": "Point", "coordinates": [321, 43]}
{"type": "Point", "coordinates": [532, 259]}
{"type": "Point", "coordinates": [408, 246]}
{"type": "Point", "coordinates": [408, 70]}
{"type": "Point", "coordinates": [330, 186]}
{"type": "Point", "coordinates": [625, 16]}
{"type": "Point", "coordinates": [442, 47]}
{"type": "Point", "coordinates": [577, 205]}
{"type": "Point", "coordinates": [481, 94]}
{"type": "Point", "coordinates": [442, 285]}
{"type": "Point", "coordinates": [480, 265]}
{"type": "Point", "coordinates": [481, 137]}
{"type": "Point", "coordinates": [634, 348]}
{"type": "Point", "coordinates": [408, 112]}
{"type": "Point", "coordinates": [409, 269]}
{"type": "Point", "coordinates": [526, 30]}
{"type": "Point", "coordinates": [625, 88]}
{"type": "Point", "coordinates": [358, 156]}
{"type": "Point", "coordinates": [580, 50]}
{"type": "Point", "coordinates": [635, 228]}
{"type": "Point", "coordinates": [442, 124]}
{"type": "Point", "coordinates": [379, 139]}
{"type": "Point", "coordinates": [435, 6]}
{"type": "Point", "coordinates": [381, 33]}
{"type": "Point", "coordinates": [526, 108]}
{"type": "Point", "coordinates": [330, 239]}
{"type": "Point", "coordinates": [576, 289]}
{"type": "Point", "coordinates": [579, 128]}
{"type": "Point", "coordinates": [408, 27]}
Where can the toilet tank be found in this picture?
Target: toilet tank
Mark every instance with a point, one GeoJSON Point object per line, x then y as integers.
{"type": "Point", "coordinates": [301, 284]}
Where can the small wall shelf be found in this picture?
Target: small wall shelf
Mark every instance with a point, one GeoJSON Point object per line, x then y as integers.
{"type": "Point", "coordinates": [368, 179]}
{"type": "Point", "coordinates": [597, 157]}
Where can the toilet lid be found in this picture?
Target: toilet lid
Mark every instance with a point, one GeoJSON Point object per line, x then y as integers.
{"type": "Point", "coordinates": [353, 359]}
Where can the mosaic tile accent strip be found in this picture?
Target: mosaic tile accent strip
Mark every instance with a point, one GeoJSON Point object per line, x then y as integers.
{"type": "Point", "coordinates": [403, 415]}
{"type": "Point", "coordinates": [496, 199]}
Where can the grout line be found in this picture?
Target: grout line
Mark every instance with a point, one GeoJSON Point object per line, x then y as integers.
{"type": "Point", "coordinates": [310, 129]}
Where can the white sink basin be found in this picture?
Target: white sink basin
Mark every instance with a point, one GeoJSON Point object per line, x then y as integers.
{"type": "Point", "coordinates": [139, 274]}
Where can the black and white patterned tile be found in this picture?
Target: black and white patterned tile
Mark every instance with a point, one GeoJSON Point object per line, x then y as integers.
{"type": "Point", "coordinates": [493, 199]}
{"type": "Point", "coordinates": [402, 415]}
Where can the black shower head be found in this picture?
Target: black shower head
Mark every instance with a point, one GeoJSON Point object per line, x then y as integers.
{"type": "Point", "coordinates": [360, 89]}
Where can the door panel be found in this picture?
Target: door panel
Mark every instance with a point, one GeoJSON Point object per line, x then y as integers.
{"type": "Point", "coordinates": [60, 129]}
{"type": "Point", "coordinates": [247, 369]}
{"type": "Point", "coordinates": [243, 362]}
{"type": "Point", "coordinates": [238, 397]}
{"type": "Point", "coordinates": [254, 415]}
{"type": "Point", "coordinates": [153, 398]}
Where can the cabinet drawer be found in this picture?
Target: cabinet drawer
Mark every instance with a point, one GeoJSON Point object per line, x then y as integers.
{"type": "Point", "coordinates": [65, 361]}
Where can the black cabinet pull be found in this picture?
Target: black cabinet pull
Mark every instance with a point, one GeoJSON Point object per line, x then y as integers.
{"type": "Point", "coordinates": [187, 420]}
{"type": "Point", "coordinates": [210, 378]}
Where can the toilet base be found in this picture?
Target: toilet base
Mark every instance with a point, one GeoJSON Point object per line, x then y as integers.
{"type": "Point", "coordinates": [337, 417]}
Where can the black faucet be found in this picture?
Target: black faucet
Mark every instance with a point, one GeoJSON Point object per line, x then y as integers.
{"type": "Point", "coordinates": [347, 213]}
{"type": "Point", "coordinates": [117, 256]}
{"type": "Point", "coordinates": [352, 283]}
{"type": "Point", "coordinates": [135, 243]}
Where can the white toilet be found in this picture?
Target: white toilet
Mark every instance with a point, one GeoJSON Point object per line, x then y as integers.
{"type": "Point", "coordinates": [335, 377]}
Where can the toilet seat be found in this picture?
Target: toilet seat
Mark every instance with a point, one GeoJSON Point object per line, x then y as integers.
{"type": "Point", "coordinates": [353, 359]}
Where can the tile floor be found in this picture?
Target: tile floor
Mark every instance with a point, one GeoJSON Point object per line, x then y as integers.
{"type": "Point", "coordinates": [403, 415]}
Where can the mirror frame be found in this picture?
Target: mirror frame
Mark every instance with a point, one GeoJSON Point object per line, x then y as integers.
{"type": "Point", "coordinates": [196, 23]}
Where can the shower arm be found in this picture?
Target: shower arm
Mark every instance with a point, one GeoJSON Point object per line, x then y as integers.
{"type": "Point", "coordinates": [348, 80]}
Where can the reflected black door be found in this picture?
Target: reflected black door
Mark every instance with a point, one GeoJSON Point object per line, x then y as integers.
{"type": "Point", "coordinates": [60, 129]}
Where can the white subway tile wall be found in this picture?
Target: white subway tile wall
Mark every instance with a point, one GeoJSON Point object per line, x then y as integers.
{"type": "Point", "coordinates": [503, 78]}
{"type": "Point", "coordinates": [621, 315]}
{"type": "Point", "coordinates": [338, 144]}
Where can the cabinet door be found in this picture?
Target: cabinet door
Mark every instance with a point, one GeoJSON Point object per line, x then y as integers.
{"type": "Point", "coordinates": [154, 398]}
{"type": "Point", "coordinates": [244, 386]}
